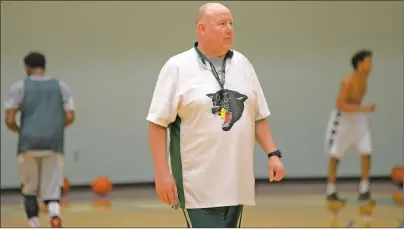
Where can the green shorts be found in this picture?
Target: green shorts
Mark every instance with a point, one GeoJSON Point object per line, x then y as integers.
{"type": "Point", "coordinates": [219, 217]}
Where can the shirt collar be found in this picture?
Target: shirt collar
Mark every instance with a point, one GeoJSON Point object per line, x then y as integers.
{"type": "Point", "coordinates": [229, 56]}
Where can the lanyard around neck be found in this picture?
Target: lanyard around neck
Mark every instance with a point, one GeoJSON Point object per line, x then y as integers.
{"type": "Point", "coordinates": [216, 73]}
{"type": "Point", "coordinates": [204, 59]}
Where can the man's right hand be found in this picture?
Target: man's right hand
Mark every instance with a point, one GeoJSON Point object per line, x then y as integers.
{"type": "Point", "coordinates": [166, 188]}
{"type": "Point", "coordinates": [369, 108]}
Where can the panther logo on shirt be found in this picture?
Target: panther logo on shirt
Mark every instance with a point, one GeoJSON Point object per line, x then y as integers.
{"type": "Point", "coordinates": [229, 105]}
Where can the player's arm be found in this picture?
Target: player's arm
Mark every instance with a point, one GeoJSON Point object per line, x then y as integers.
{"type": "Point", "coordinates": [68, 103]}
{"type": "Point", "coordinates": [162, 112]}
{"type": "Point", "coordinates": [12, 104]}
{"type": "Point", "coordinates": [342, 100]}
{"type": "Point", "coordinates": [10, 120]}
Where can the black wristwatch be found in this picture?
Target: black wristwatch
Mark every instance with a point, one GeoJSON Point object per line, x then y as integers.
{"type": "Point", "coordinates": [275, 153]}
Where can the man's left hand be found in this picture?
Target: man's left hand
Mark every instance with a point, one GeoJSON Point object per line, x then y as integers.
{"type": "Point", "coordinates": [275, 169]}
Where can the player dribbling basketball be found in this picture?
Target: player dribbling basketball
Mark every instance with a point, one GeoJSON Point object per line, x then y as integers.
{"type": "Point", "coordinates": [348, 126]}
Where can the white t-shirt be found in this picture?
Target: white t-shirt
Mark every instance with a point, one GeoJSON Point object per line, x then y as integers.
{"type": "Point", "coordinates": [211, 144]}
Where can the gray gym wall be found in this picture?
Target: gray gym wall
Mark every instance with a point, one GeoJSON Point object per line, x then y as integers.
{"type": "Point", "coordinates": [110, 53]}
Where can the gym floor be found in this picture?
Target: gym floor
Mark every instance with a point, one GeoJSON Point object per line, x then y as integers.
{"type": "Point", "coordinates": [278, 205]}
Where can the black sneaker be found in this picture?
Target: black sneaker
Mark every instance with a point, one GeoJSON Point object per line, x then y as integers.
{"type": "Point", "coordinates": [335, 197]}
{"type": "Point", "coordinates": [364, 196]}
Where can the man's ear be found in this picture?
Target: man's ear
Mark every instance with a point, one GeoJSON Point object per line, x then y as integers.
{"type": "Point", "coordinates": [201, 28]}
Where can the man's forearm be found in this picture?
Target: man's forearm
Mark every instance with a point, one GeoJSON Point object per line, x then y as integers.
{"type": "Point", "coordinates": [264, 137]}
{"type": "Point", "coordinates": [12, 125]}
{"type": "Point", "coordinates": [158, 146]}
{"type": "Point", "coordinates": [69, 117]}
{"type": "Point", "coordinates": [10, 120]}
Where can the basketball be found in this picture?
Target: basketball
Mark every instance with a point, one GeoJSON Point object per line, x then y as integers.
{"type": "Point", "coordinates": [397, 174]}
{"type": "Point", "coordinates": [101, 185]}
{"type": "Point", "coordinates": [398, 198]}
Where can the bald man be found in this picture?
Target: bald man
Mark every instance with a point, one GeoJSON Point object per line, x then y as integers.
{"type": "Point", "coordinates": [210, 101]}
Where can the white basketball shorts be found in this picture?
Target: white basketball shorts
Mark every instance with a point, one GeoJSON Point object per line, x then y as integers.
{"type": "Point", "coordinates": [348, 131]}
{"type": "Point", "coordinates": [41, 172]}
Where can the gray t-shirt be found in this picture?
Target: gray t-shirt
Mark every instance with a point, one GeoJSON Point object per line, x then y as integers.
{"type": "Point", "coordinates": [218, 64]}
{"type": "Point", "coordinates": [16, 94]}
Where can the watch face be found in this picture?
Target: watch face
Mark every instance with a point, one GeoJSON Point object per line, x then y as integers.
{"type": "Point", "coordinates": [277, 153]}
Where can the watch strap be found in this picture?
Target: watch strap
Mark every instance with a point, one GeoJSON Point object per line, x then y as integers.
{"type": "Point", "coordinates": [275, 153]}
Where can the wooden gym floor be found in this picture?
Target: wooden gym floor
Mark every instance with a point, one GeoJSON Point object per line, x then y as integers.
{"type": "Point", "coordinates": [278, 205]}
